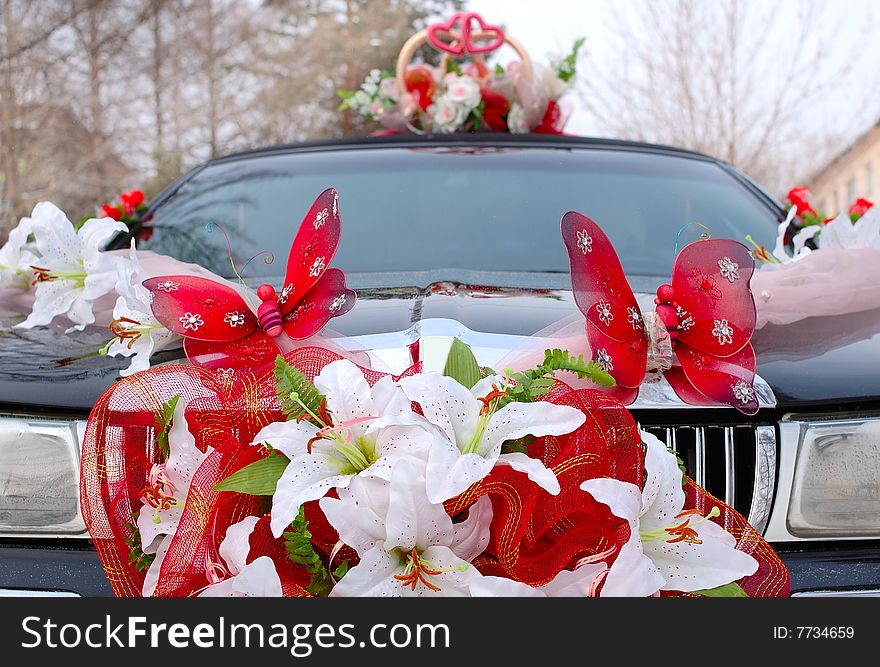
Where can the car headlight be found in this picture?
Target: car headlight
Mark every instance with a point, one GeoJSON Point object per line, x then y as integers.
{"type": "Point", "coordinates": [835, 489]}
{"type": "Point", "coordinates": [39, 476]}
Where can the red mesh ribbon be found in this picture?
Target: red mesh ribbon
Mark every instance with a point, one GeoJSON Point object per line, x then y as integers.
{"type": "Point", "coordinates": [534, 534]}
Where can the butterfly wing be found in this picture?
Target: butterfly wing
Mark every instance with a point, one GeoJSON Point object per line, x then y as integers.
{"type": "Point", "coordinates": [220, 331]}
{"type": "Point", "coordinates": [710, 280]}
{"type": "Point", "coordinates": [615, 328]}
{"type": "Point", "coordinates": [700, 378]}
{"type": "Point", "coordinates": [328, 298]}
{"type": "Point", "coordinates": [199, 308]}
{"type": "Point", "coordinates": [312, 249]}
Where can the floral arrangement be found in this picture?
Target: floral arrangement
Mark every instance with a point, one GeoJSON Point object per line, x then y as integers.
{"type": "Point", "coordinates": [464, 93]}
{"type": "Point", "coordinates": [129, 209]}
{"type": "Point", "coordinates": [317, 477]}
{"type": "Point", "coordinates": [805, 229]}
{"type": "Point", "coordinates": [272, 464]}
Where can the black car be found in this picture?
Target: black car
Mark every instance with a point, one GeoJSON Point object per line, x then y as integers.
{"type": "Point", "coordinates": [458, 236]}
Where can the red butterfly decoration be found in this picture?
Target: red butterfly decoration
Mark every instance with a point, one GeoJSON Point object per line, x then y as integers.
{"type": "Point", "coordinates": [708, 312]}
{"type": "Point", "coordinates": [220, 329]}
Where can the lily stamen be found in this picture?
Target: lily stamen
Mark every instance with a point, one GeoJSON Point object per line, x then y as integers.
{"type": "Point", "coordinates": [488, 399]}
{"type": "Point", "coordinates": [684, 532]}
{"type": "Point", "coordinates": [119, 329]}
{"type": "Point", "coordinates": [159, 492]}
{"type": "Point", "coordinates": [415, 571]}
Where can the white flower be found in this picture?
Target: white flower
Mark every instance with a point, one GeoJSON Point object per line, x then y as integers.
{"type": "Point", "coordinates": [516, 119]}
{"type": "Point", "coordinates": [73, 271]}
{"type": "Point", "coordinates": [553, 86]}
{"type": "Point", "coordinates": [843, 233]}
{"type": "Point", "coordinates": [389, 90]}
{"type": "Point", "coordinates": [668, 549]}
{"type": "Point", "coordinates": [577, 583]}
{"type": "Point", "coordinates": [259, 578]}
{"type": "Point", "coordinates": [462, 91]}
{"type": "Point", "coordinates": [446, 116]}
{"type": "Point", "coordinates": [15, 258]}
{"type": "Point", "coordinates": [170, 483]}
{"type": "Point", "coordinates": [138, 333]}
{"type": "Point", "coordinates": [780, 256]}
{"type": "Point", "coordinates": [407, 545]}
{"type": "Point", "coordinates": [473, 430]}
{"type": "Point", "coordinates": [373, 429]}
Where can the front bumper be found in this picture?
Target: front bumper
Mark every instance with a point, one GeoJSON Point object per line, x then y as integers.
{"type": "Point", "coordinates": [49, 568]}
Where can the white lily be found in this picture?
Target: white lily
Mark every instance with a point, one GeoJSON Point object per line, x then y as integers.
{"type": "Point", "coordinates": [259, 578]}
{"type": "Point", "coordinates": [372, 429]}
{"type": "Point", "coordinates": [473, 430]}
{"type": "Point", "coordinates": [73, 271]}
{"type": "Point", "coordinates": [137, 333]}
{"type": "Point", "coordinates": [668, 549]}
{"type": "Point", "coordinates": [780, 256]}
{"type": "Point", "coordinates": [577, 583]}
{"type": "Point", "coordinates": [408, 546]}
{"type": "Point", "coordinates": [170, 482]}
{"type": "Point", "coordinates": [843, 233]}
{"type": "Point", "coordinates": [15, 258]}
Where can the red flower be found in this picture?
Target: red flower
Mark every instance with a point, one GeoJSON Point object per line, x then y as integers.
{"type": "Point", "coordinates": [495, 108]}
{"type": "Point", "coordinates": [553, 120]}
{"type": "Point", "coordinates": [860, 207]}
{"type": "Point", "coordinates": [111, 211]}
{"type": "Point", "coordinates": [800, 197]}
{"type": "Point", "coordinates": [420, 82]}
{"type": "Point", "coordinates": [131, 200]}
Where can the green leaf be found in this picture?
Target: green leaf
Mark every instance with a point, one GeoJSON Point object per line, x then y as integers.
{"type": "Point", "coordinates": [567, 69]}
{"type": "Point", "coordinates": [136, 555]}
{"type": "Point", "coordinates": [256, 479]}
{"type": "Point", "coordinates": [561, 360]}
{"type": "Point", "coordinates": [499, 70]}
{"type": "Point", "coordinates": [164, 422]}
{"type": "Point", "coordinates": [298, 542]}
{"type": "Point", "coordinates": [731, 590]}
{"type": "Point", "coordinates": [478, 115]}
{"type": "Point", "coordinates": [298, 396]}
{"type": "Point", "coordinates": [461, 364]}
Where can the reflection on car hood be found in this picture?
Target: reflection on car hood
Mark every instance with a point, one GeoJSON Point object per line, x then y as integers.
{"type": "Point", "coordinates": [810, 363]}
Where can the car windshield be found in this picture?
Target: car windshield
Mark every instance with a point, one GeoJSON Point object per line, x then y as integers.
{"type": "Point", "coordinates": [474, 208]}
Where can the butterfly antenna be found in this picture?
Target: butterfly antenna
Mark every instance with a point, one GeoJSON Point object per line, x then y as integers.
{"type": "Point", "coordinates": [704, 236]}
{"type": "Point", "coordinates": [210, 226]}
{"type": "Point", "coordinates": [268, 258]}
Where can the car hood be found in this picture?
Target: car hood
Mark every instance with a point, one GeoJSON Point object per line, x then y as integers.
{"type": "Point", "coordinates": [824, 361]}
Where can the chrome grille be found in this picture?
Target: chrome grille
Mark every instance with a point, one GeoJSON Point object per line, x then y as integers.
{"type": "Point", "coordinates": [736, 463]}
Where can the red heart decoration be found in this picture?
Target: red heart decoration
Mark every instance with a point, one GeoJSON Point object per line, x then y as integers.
{"type": "Point", "coordinates": [486, 31]}
{"type": "Point", "coordinates": [443, 37]}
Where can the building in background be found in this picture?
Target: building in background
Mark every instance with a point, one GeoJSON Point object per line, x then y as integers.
{"type": "Point", "coordinates": [850, 175]}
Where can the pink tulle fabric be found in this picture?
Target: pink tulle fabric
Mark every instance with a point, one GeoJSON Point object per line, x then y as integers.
{"type": "Point", "coordinates": [830, 281]}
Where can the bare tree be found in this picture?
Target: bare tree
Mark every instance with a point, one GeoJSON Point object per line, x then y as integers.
{"type": "Point", "coordinates": [737, 80]}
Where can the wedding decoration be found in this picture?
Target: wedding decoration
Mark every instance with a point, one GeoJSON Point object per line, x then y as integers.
{"type": "Point", "coordinates": [304, 473]}
{"type": "Point", "coordinates": [699, 335]}
{"type": "Point", "coordinates": [129, 209]}
{"type": "Point", "coordinates": [464, 93]}
{"type": "Point", "coordinates": [318, 477]}
{"type": "Point", "coordinates": [271, 464]}
{"type": "Point", "coordinates": [826, 267]}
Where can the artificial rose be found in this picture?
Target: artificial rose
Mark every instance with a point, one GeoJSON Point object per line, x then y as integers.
{"type": "Point", "coordinates": [495, 110]}
{"type": "Point", "coordinates": [131, 200]}
{"type": "Point", "coordinates": [446, 116]}
{"type": "Point", "coordinates": [111, 212]}
{"type": "Point", "coordinates": [800, 197]}
{"type": "Point", "coordinates": [859, 208]}
{"type": "Point", "coordinates": [419, 81]}
{"type": "Point", "coordinates": [462, 90]}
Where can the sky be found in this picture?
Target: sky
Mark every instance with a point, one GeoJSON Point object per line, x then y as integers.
{"type": "Point", "coordinates": [849, 35]}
